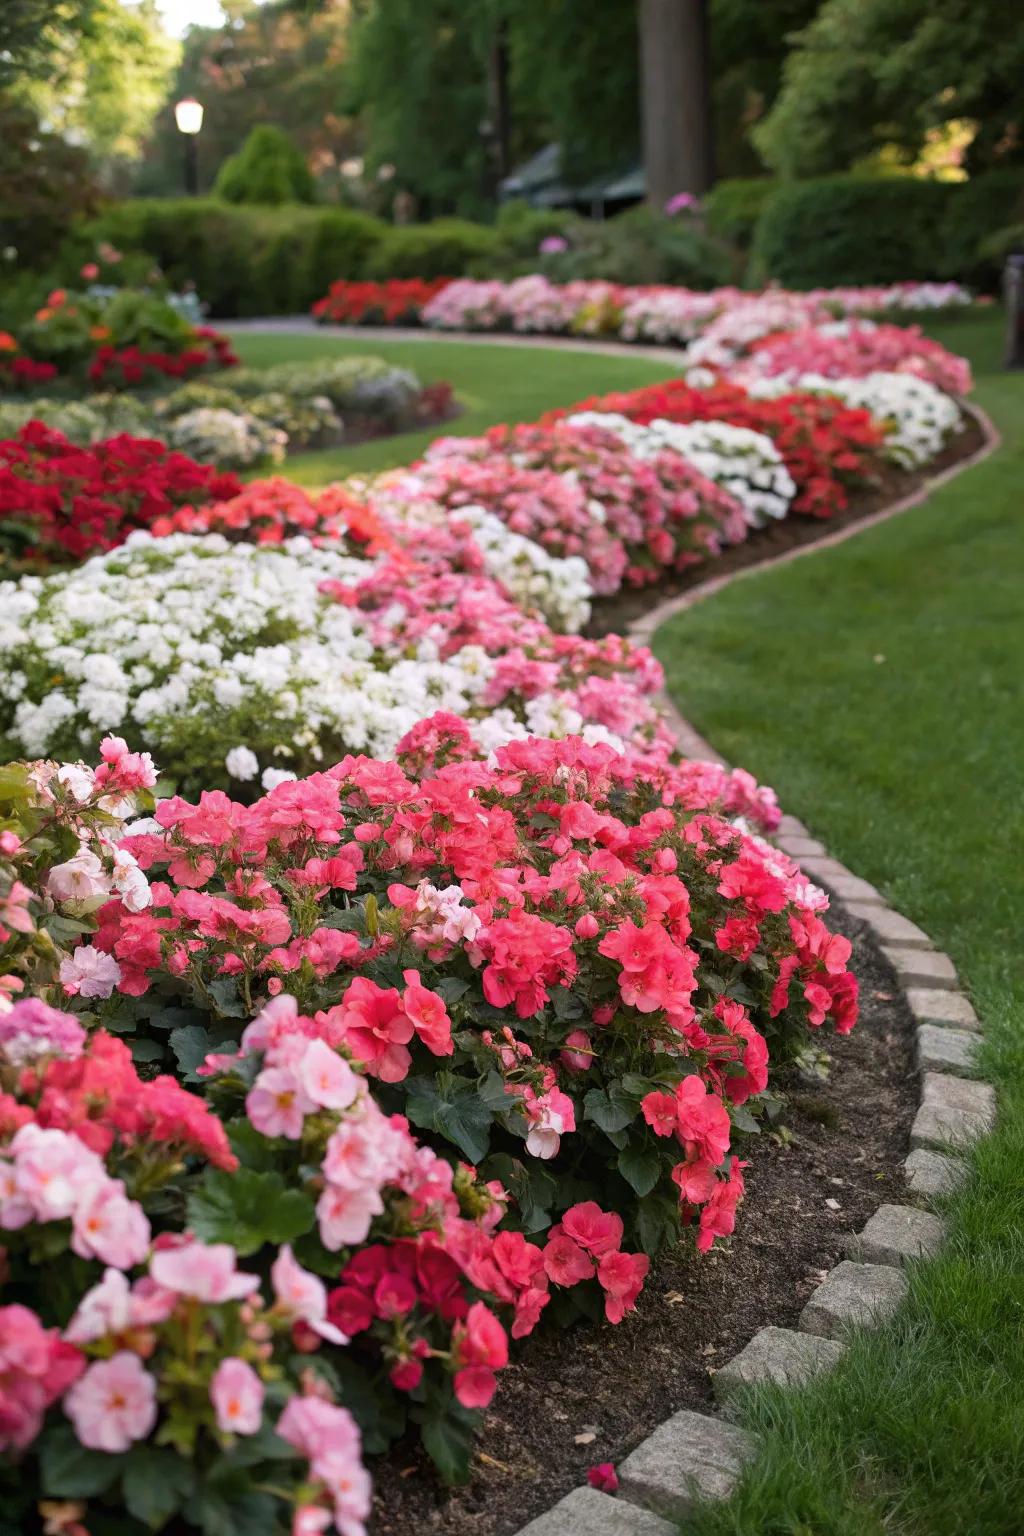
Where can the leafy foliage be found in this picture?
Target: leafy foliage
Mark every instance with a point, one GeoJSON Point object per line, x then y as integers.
{"type": "Point", "coordinates": [269, 169]}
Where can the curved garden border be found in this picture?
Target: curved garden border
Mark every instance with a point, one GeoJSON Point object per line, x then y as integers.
{"type": "Point", "coordinates": [695, 1456]}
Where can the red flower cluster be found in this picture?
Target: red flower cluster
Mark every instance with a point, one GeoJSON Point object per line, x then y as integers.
{"type": "Point", "coordinates": [827, 446]}
{"type": "Point", "coordinates": [70, 502]}
{"type": "Point", "coordinates": [24, 373]}
{"type": "Point", "coordinates": [397, 301]}
{"type": "Point", "coordinates": [128, 367]}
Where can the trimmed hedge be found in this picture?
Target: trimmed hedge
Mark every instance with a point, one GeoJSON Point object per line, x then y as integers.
{"type": "Point", "coordinates": [733, 207]}
{"type": "Point", "coordinates": [980, 209]}
{"type": "Point", "coordinates": [836, 230]}
{"type": "Point", "coordinates": [445, 248]}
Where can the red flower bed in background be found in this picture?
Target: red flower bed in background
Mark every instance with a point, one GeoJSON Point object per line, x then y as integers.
{"type": "Point", "coordinates": [64, 502]}
{"type": "Point", "coordinates": [370, 303]}
{"type": "Point", "coordinates": [128, 367]}
{"type": "Point", "coordinates": [827, 446]}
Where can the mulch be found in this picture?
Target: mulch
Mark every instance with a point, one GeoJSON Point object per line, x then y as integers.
{"type": "Point", "coordinates": [591, 1394]}
{"type": "Point", "coordinates": [614, 615]}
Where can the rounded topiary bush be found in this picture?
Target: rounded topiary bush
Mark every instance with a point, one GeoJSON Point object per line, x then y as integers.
{"type": "Point", "coordinates": [853, 229]}
{"type": "Point", "coordinates": [268, 169]}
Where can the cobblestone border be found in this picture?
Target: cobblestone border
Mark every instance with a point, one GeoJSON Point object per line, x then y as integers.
{"type": "Point", "coordinates": [697, 1456]}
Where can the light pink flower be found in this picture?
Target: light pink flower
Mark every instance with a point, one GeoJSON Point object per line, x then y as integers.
{"type": "Point", "coordinates": [110, 1227]}
{"type": "Point", "coordinates": [80, 879]}
{"type": "Point", "coordinates": [55, 1171]}
{"type": "Point", "coordinates": [318, 1429]}
{"type": "Point", "coordinates": [303, 1296]}
{"type": "Point", "coordinates": [345, 1215]}
{"type": "Point", "coordinates": [113, 1307]}
{"type": "Point", "coordinates": [89, 972]}
{"type": "Point", "coordinates": [277, 1104]}
{"type": "Point", "coordinates": [203, 1270]}
{"type": "Point", "coordinates": [236, 1393]}
{"type": "Point", "coordinates": [326, 1078]}
{"type": "Point", "coordinates": [113, 1403]}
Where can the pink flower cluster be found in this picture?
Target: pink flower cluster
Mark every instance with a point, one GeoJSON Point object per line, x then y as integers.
{"type": "Point", "coordinates": [853, 350]}
{"type": "Point", "coordinates": [653, 515]}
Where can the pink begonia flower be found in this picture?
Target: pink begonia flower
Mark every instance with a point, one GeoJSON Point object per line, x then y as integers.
{"type": "Point", "coordinates": [205, 1271]}
{"type": "Point", "coordinates": [317, 1428]}
{"type": "Point", "coordinates": [89, 972]}
{"type": "Point", "coordinates": [593, 1229]}
{"type": "Point", "coordinates": [480, 1347]}
{"type": "Point", "coordinates": [113, 1404]}
{"type": "Point", "coordinates": [277, 1104]}
{"type": "Point", "coordinates": [30, 1029]}
{"type": "Point", "coordinates": [603, 1477]}
{"type": "Point", "coordinates": [36, 1367]}
{"type": "Point", "coordinates": [345, 1215]}
{"type": "Point", "coordinates": [578, 1055]}
{"type": "Point", "coordinates": [326, 1078]}
{"type": "Point", "coordinates": [110, 1227]}
{"type": "Point", "coordinates": [80, 879]}
{"type": "Point", "coordinates": [113, 1307]}
{"type": "Point", "coordinates": [310, 1519]}
{"type": "Point", "coordinates": [54, 1171]}
{"type": "Point", "coordinates": [236, 1393]}
{"type": "Point", "coordinates": [303, 1296]}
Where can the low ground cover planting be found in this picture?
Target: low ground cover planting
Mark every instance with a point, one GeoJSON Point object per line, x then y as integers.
{"type": "Point", "coordinates": [378, 985]}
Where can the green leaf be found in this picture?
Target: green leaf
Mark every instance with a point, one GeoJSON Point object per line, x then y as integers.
{"type": "Point", "coordinates": [229, 1510]}
{"type": "Point", "coordinates": [69, 1471]}
{"type": "Point", "coordinates": [191, 1046]}
{"type": "Point", "coordinates": [224, 991]}
{"type": "Point", "coordinates": [640, 1167]}
{"type": "Point", "coordinates": [461, 1115]}
{"type": "Point", "coordinates": [611, 1109]}
{"type": "Point", "coordinates": [252, 1149]}
{"type": "Point", "coordinates": [155, 1484]}
{"type": "Point", "coordinates": [451, 988]}
{"type": "Point", "coordinates": [657, 1223]}
{"type": "Point", "coordinates": [248, 1209]}
{"type": "Point", "coordinates": [147, 1050]}
{"type": "Point", "coordinates": [449, 1446]}
{"type": "Point", "coordinates": [743, 1120]}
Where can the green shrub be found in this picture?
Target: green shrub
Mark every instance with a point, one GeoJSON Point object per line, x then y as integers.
{"type": "Point", "coordinates": [733, 207]}
{"type": "Point", "coordinates": [445, 248]}
{"type": "Point", "coordinates": [521, 228]}
{"type": "Point", "coordinates": [269, 169]}
{"type": "Point", "coordinates": [979, 211]}
{"type": "Point", "coordinates": [853, 229]}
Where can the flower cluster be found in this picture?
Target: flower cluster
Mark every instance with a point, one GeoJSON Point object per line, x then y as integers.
{"type": "Point", "coordinates": [395, 302]}
{"type": "Point", "coordinates": [853, 349]}
{"type": "Point", "coordinates": [916, 418]}
{"type": "Point", "coordinates": [59, 502]}
{"type": "Point", "coordinates": [826, 446]}
{"type": "Point", "coordinates": [132, 367]}
{"type": "Point", "coordinates": [582, 489]}
{"type": "Point", "coordinates": [299, 653]}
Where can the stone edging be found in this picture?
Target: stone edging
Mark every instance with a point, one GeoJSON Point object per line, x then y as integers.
{"type": "Point", "coordinates": [697, 1456]}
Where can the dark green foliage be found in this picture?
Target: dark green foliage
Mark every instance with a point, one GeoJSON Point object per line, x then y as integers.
{"type": "Point", "coordinates": [733, 207]}
{"type": "Point", "coordinates": [45, 184]}
{"type": "Point", "coordinates": [445, 248]}
{"type": "Point", "coordinates": [850, 229]}
{"type": "Point", "coordinates": [980, 209]}
{"type": "Point", "coordinates": [268, 170]}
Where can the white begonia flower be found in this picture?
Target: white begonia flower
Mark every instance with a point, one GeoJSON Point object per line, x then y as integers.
{"type": "Point", "coordinates": [272, 777]}
{"type": "Point", "coordinates": [242, 763]}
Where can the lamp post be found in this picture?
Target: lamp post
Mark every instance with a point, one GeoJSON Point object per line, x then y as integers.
{"type": "Point", "coordinates": [188, 114]}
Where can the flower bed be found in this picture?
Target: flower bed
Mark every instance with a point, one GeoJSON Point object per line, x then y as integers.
{"type": "Point", "coordinates": [521, 959]}
{"type": "Point", "coordinates": [122, 339]}
{"type": "Point", "coordinates": [60, 503]}
{"type": "Point", "coordinates": [657, 314]}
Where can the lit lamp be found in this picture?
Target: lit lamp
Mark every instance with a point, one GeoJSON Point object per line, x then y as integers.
{"type": "Point", "coordinates": [188, 114]}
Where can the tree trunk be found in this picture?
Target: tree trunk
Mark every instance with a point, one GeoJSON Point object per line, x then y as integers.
{"type": "Point", "coordinates": [675, 98]}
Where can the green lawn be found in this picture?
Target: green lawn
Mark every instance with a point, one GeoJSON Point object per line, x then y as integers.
{"type": "Point", "coordinates": [877, 686]}
{"type": "Point", "coordinates": [493, 384]}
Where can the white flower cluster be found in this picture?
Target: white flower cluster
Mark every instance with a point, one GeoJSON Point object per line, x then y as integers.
{"type": "Point", "coordinates": [229, 438]}
{"type": "Point", "coordinates": [744, 462]}
{"type": "Point", "coordinates": [557, 586]}
{"type": "Point", "coordinates": [918, 418]}
{"type": "Point", "coordinates": [187, 644]}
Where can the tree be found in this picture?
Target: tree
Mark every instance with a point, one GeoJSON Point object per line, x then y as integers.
{"type": "Point", "coordinates": [676, 98]}
{"type": "Point", "coordinates": [268, 169]}
{"type": "Point", "coordinates": [872, 73]}
{"type": "Point", "coordinates": [33, 31]}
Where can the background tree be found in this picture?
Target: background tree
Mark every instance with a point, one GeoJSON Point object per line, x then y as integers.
{"type": "Point", "coordinates": [871, 73]}
{"type": "Point", "coordinates": [268, 170]}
